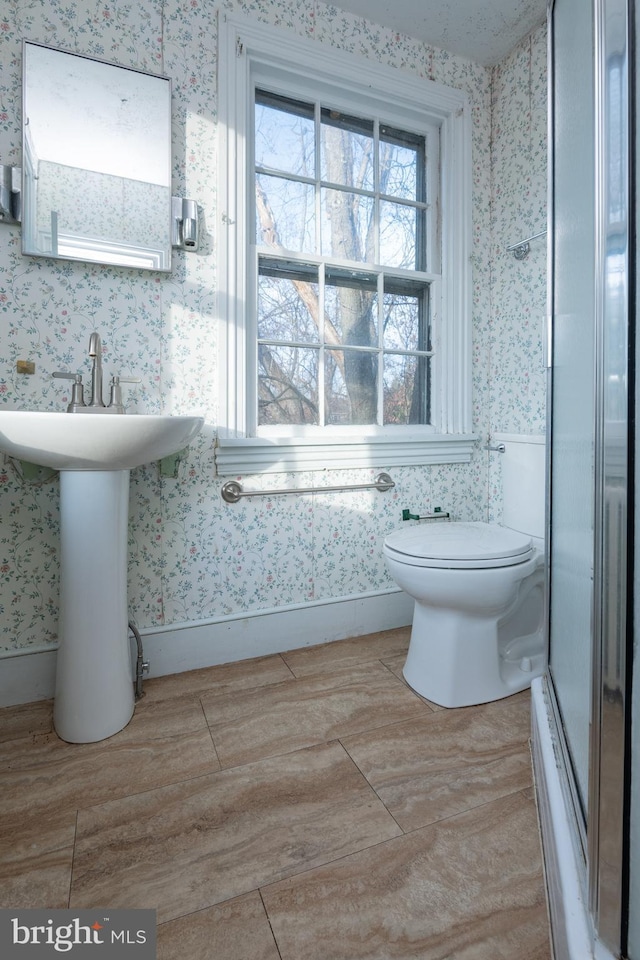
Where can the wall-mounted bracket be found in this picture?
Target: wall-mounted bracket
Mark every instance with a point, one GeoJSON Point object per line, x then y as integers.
{"type": "Point", "coordinates": [438, 514]}
{"type": "Point", "coordinates": [521, 249]}
{"type": "Point", "coordinates": [10, 194]}
{"type": "Point", "coordinates": [184, 224]}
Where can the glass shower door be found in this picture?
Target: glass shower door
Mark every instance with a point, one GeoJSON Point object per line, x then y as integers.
{"type": "Point", "coordinates": [591, 494]}
{"type": "Point", "coordinates": [572, 397]}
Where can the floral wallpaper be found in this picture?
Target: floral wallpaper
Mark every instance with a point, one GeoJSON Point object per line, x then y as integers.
{"type": "Point", "coordinates": [517, 375]}
{"type": "Point", "coordinates": [519, 115]}
{"type": "Point", "coordinates": [193, 557]}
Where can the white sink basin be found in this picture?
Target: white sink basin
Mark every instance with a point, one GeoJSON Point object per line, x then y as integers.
{"type": "Point", "coordinates": [92, 441]}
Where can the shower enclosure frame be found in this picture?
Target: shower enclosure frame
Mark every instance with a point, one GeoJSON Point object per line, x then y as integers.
{"type": "Point", "coordinates": [608, 808]}
{"type": "Point", "coordinates": [599, 828]}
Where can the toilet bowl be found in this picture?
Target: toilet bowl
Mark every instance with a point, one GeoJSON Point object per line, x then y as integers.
{"type": "Point", "coordinates": [478, 631]}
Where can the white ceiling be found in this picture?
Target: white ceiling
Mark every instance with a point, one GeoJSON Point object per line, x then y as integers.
{"type": "Point", "coordinates": [483, 30]}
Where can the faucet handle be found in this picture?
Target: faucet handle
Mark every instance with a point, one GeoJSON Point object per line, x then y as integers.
{"type": "Point", "coordinates": [77, 390]}
{"type": "Point", "coordinates": [115, 399]}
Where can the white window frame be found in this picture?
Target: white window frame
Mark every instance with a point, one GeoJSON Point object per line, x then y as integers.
{"type": "Point", "coordinates": [251, 54]}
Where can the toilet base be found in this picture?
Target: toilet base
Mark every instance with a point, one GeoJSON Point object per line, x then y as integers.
{"type": "Point", "coordinates": [461, 660]}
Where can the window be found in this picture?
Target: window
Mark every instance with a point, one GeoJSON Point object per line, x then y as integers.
{"type": "Point", "coordinates": [339, 341]}
{"type": "Point", "coordinates": [344, 286]}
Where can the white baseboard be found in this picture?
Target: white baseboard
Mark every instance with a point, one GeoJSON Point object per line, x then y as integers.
{"type": "Point", "coordinates": [27, 677]}
{"type": "Point", "coordinates": [188, 646]}
{"type": "Point", "coordinates": [571, 927]}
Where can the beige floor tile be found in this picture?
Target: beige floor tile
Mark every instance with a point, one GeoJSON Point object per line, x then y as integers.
{"type": "Point", "coordinates": [157, 718]}
{"type": "Point", "coordinates": [224, 678]}
{"type": "Point", "coordinates": [36, 854]}
{"type": "Point", "coordinates": [164, 827]}
{"type": "Point", "coordinates": [468, 888]}
{"type": "Point", "coordinates": [446, 762]}
{"type": "Point", "coordinates": [26, 720]}
{"type": "Point", "coordinates": [342, 653]}
{"type": "Point", "coordinates": [188, 846]}
{"type": "Point", "coordinates": [395, 665]}
{"type": "Point", "coordinates": [270, 720]}
{"type": "Point", "coordinates": [235, 930]}
{"type": "Point", "coordinates": [43, 771]}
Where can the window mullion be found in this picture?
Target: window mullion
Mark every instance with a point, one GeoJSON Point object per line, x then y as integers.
{"type": "Point", "coordinates": [421, 218]}
{"type": "Point", "coordinates": [321, 278]}
{"type": "Point", "coordinates": [318, 192]}
{"type": "Point", "coordinates": [251, 344]}
{"type": "Point", "coordinates": [284, 175]}
{"type": "Point", "coordinates": [376, 214]}
{"type": "Point", "coordinates": [321, 365]}
{"type": "Point", "coordinates": [401, 273]}
{"type": "Point", "coordinates": [380, 412]}
{"type": "Point", "coordinates": [433, 229]}
{"type": "Point", "coordinates": [376, 187]}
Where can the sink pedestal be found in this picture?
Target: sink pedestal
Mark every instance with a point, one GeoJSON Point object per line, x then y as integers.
{"type": "Point", "coordinates": [94, 683]}
{"type": "Point", "coordinates": [94, 454]}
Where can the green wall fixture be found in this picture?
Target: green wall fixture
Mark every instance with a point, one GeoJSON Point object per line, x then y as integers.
{"type": "Point", "coordinates": [34, 473]}
{"type": "Point", "coordinates": [169, 465]}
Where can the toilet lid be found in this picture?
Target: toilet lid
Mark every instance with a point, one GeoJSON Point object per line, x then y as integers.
{"type": "Point", "coordinates": [456, 544]}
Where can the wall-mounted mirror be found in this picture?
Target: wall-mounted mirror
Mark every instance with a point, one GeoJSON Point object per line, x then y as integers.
{"type": "Point", "coordinates": [96, 161]}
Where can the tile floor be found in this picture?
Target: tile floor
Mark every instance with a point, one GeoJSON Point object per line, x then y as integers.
{"type": "Point", "coordinates": [307, 806]}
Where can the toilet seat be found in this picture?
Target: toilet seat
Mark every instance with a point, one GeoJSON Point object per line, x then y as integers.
{"type": "Point", "coordinates": [460, 545]}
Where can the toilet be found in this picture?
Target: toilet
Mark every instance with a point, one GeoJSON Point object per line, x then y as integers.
{"type": "Point", "coordinates": [478, 622]}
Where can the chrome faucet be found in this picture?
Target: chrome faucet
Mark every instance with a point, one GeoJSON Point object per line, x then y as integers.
{"type": "Point", "coordinates": [96, 404]}
{"type": "Point", "coordinates": [95, 352]}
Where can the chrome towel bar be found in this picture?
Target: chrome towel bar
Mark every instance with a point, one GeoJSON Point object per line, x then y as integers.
{"type": "Point", "coordinates": [232, 490]}
{"type": "Point", "coordinates": [521, 248]}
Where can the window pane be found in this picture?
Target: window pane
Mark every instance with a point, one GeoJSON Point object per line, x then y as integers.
{"type": "Point", "coordinates": [347, 150]}
{"type": "Point", "coordinates": [405, 320]}
{"type": "Point", "coordinates": [351, 308]}
{"type": "Point", "coordinates": [350, 386]}
{"type": "Point", "coordinates": [288, 301]}
{"type": "Point", "coordinates": [284, 134]}
{"type": "Point", "coordinates": [347, 226]}
{"type": "Point", "coordinates": [287, 385]}
{"type": "Point", "coordinates": [406, 389]}
{"type": "Point", "coordinates": [357, 227]}
{"type": "Point", "coordinates": [401, 164]}
{"type": "Point", "coordinates": [285, 214]}
{"type": "Point", "coordinates": [401, 229]}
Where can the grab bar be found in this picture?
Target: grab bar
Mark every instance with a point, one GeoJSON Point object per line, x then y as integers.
{"type": "Point", "coordinates": [232, 490]}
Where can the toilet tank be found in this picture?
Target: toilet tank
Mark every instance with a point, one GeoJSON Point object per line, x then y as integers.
{"type": "Point", "coordinates": [523, 482]}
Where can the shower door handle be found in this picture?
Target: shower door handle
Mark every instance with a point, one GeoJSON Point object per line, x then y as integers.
{"type": "Point", "coordinates": [547, 341]}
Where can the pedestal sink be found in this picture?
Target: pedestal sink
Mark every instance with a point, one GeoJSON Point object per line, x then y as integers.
{"type": "Point", "coordinates": [94, 687]}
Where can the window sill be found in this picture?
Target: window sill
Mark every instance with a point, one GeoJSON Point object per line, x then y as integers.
{"type": "Point", "coordinates": [242, 457]}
